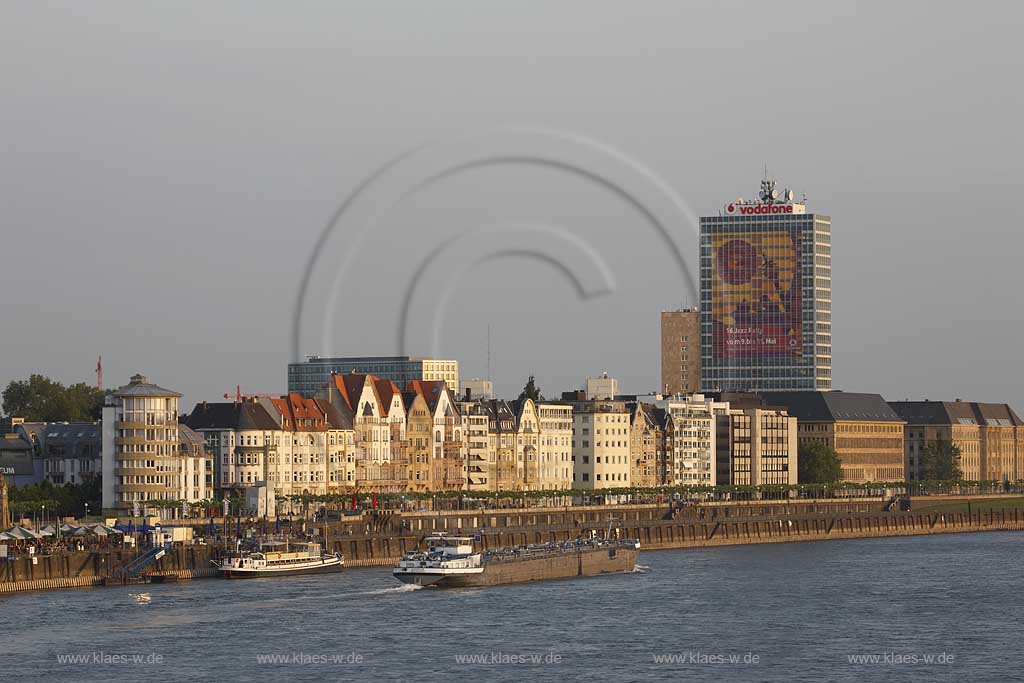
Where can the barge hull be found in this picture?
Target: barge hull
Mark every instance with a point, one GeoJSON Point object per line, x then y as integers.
{"type": "Point", "coordinates": [586, 563]}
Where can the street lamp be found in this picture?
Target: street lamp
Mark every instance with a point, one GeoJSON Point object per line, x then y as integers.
{"type": "Point", "coordinates": [44, 514]}
{"type": "Point", "coordinates": [86, 511]}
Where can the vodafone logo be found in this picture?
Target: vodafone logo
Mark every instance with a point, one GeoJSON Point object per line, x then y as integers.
{"type": "Point", "coordinates": [754, 209]}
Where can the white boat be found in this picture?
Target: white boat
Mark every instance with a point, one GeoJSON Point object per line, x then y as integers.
{"type": "Point", "coordinates": [298, 558]}
{"type": "Point", "coordinates": [445, 556]}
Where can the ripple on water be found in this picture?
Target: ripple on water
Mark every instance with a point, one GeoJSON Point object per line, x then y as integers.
{"type": "Point", "coordinates": [802, 607]}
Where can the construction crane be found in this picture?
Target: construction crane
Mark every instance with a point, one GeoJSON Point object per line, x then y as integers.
{"type": "Point", "coordinates": [238, 395]}
{"type": "Point", "coordinates": [99, 373]}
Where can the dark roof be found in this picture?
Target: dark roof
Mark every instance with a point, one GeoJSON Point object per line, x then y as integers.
{"type": "Point", "coordinates": [831, 406]}
{"type": "Point", "coordinates": [997, 413]}
{"type": "Point", "coordinates": [139, 385]}
{"type": "Point", "coordinates": [189, 437]}
{"type": "Point", "coordinates": [14, 444]}
{"type": "Point", "coordinates": [337, 418]}
{"type": "Point", "coordinates": [658, 415]}
{"type": "Point", "coordinates": [71, 431]}
{"type": "Point", "coordinates": [16, 454]}
{"type": "Point", "coordinates": [955, 412]}
{"type": "Point", "coordinates": [236, 416]}
{"type": "Point", "coordinates": [31, 430]}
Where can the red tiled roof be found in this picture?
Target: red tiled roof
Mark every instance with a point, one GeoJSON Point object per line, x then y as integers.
{"type": "Point", "coordinates": [386, 390]}
{"type": "Point", "coordinates": [300, 414]}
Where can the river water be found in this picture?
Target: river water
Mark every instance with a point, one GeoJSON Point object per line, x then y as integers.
{"type": "Point", "coordinates": [909, 609]}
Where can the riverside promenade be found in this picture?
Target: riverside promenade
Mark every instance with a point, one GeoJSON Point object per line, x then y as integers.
{"type": "Point", "coordinates": [379, 538]}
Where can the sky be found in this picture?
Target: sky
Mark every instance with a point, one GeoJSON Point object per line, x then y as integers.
{"type": "Point", "coordinates": [168, 173]}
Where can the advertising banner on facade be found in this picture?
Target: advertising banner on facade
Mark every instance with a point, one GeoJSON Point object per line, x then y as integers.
{"type": "Point", "coordinates": [755, 293]}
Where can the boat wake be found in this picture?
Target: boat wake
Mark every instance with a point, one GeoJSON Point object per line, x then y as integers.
{"type": "Point", "coordinates": [404, 588]}
{"type": "Point", "coordinates": [141, 598]}
{"type": "Point", "coordinates": [641, 569]}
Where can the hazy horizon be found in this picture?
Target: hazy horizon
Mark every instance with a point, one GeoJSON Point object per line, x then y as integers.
{"type": "Point", "coordinates": [169, 171]}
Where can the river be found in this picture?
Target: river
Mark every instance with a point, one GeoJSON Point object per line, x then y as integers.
{"type": "Point", "coordinates": [919, 608]}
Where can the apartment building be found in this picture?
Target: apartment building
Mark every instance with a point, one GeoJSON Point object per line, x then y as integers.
{"type": "Point", "coordinates": [291, 444]}
{"type": "Point", "coordinates": [144, 459]}
{"type": "Point", "coordinates": [377, 411]}
{"type": "Point", "coordinates": [690, 439]}
{"type": "Point", "coordinates": [600, 444]}
{"type": "Point", "coordinates": [990, 437]}
{"type": "Point", "coordinates": [646, 437]}
{"type": "Point", "coordinates": [862, 428]}
{"type": "Point", "coordinates": [554, 463]}
{"type": "Point", "coordinates": [448, 471]}
{"type": "Point", "coordinates": [480, 454]}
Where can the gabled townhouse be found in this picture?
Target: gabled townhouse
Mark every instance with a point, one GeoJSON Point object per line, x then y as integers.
{"type": "Point", "coordinates": [644, 438]}
{"type": "Point", "coordinates": [448, 455]}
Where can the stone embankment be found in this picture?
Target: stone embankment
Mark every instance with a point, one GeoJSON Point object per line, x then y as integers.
{"type": "Point", "coordinates": [379, 539]}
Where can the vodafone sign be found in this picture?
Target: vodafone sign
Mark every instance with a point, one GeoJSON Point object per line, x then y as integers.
{"type": "Point", "coordinates": [733, 209]}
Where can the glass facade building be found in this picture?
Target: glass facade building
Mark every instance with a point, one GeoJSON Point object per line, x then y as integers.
{"type": "Point", "coordinates": [309, 376]}
{"type": "Point", "coordinates": [766, 297]}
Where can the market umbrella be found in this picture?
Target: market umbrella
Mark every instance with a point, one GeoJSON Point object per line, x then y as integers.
{"type": "Point", "coordinates": [23, 534]}
{"type": "Point", "coordinates": [48, 530]}
{"type": "Point", "coordinates": [104, 530]}
{"type": "Point", "coordinates": [68, 528]}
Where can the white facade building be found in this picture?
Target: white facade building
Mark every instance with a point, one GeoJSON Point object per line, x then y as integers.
{"type": "Point", "coordinates": [554, 463]}
{"type": "Point", "coordinates": [144, 457]}
{"type": "Point", "coordinates": [602, 388]}
{"type": "Point", "coordinates": [478, 388]}
{"type": "Point", "coordinates": [600, 444]}
{"type": "Point", "coordinates": [690, 439]}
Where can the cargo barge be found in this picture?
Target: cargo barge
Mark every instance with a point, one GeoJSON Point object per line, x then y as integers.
{"type": "Point", "coordinates": [452, 562]}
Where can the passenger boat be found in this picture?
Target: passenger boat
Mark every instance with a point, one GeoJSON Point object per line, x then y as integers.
{"type": "Point", "coordinates": [452, 562]}
{"type": "Point", "coordinates": [306, 558]}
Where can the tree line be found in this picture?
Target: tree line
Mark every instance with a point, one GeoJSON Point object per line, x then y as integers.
{"type": "Point", "coordinates": [41, 399]}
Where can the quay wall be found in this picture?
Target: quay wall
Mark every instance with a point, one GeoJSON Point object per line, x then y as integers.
{"type": "Point", "coordinates": [379, 539]}
{"type": "Point", "coordinates": [95, 568]}
{"type": "Point", "coordinates": [659, 529]}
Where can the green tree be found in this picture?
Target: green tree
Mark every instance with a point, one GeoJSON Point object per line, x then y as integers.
{"type": "Point", "coordinates": [941, 461]}
{"type": "Point", "coordinates": [531, 391]}
{"type": "Point", "coordinates": [818, 463]}
{"type": "Point", "coordinates": [41, 399]}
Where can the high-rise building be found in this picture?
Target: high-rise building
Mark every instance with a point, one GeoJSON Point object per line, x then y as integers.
{"type": "Point", "coordinates": [145, 457]}
{"type": "Point", "coordinates": [766, 296]}
{"type": "Point", "coordinates": [311, 375]}
{"type": "Point", "coordinates": [680, 352]}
